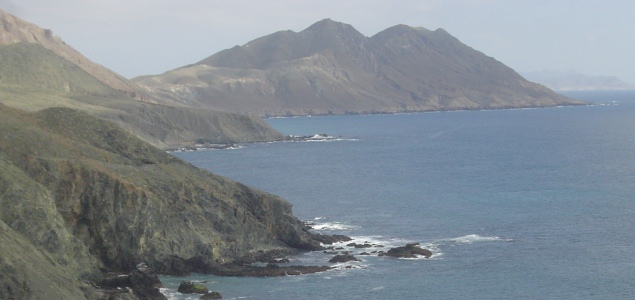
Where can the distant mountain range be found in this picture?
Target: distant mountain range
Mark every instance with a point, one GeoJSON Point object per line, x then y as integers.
{"type": "Point", "coordinates": [331, 68]}
{"type": "Point", "coordinates": [576, 81]}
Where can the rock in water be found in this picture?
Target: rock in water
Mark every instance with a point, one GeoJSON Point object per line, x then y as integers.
{"type": "Point", "coordinates": [143, 281]}
{"type": "Point", "coordinates": [188, 287]}
{"type": "Point", "coordinates": [211, 295]}
{"type": "Point", "coordinates": [408, 251]}
{"type": "Point", "coordinates": [343, 258]}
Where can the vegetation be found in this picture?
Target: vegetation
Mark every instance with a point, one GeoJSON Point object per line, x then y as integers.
{"type": "Point", "coordinates": [81, 196]}
{"type": "Point", "coordinates": [34, 78]}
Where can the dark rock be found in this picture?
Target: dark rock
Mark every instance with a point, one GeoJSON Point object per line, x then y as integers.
{"type": "Point", "coordinates": [189, 287]}
{"type": "Point", "coordinates": [330, 239]}
{"type": "Point", "coordinates": [143, 281]}
{"type": "Point", "coordinates": [343, 258]}
{"type": "Point", "coordinates": [364, 253]}
{"type": "Point", "coordinates": [408, 251]}
{"type": "Point", "coordinates": [268, 271]}
{"type": "Point", "coordinates": [211, 295]}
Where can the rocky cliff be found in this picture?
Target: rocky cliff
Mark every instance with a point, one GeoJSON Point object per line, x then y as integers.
{"type": "Point", "coordinates": [331, 68]}
{"type": "Point", "coordinates": [81, 197]}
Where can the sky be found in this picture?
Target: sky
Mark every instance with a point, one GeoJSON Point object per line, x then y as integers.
{"type": "Point", "coordinates": [142, 37]}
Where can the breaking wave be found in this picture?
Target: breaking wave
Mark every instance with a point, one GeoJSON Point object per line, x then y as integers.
{"type": "Point", "coordinates": [475, 238]}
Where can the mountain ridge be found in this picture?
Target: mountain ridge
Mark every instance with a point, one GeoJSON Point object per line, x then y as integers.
{"type": "Point", "coordinates": [38, 70]}
{"type": "Point", "coordinates": [15, 30]}
{"type": "Point", "coordinates": [331, 68]}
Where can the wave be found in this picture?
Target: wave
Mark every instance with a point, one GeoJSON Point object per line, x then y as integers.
{"type": "Point", "coordinates": [319, 137]}
{"type": "Point", "coordinates": [475, 238]}
{"type": "Point", "coordinates": [331, 226]}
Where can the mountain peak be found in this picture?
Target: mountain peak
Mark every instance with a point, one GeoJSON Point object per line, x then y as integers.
{"type": "Point", "coordinates": [15, 30]}
{"type": "Point", "coordinates": [328, 25]}
{"type": "Point", "coordinates": [325, 24]}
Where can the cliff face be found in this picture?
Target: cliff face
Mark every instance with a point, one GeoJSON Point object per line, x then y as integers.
{"type": "Point", "coordinates": [331, 68]}
{"type": "Point", "coordinates": [80, 196]}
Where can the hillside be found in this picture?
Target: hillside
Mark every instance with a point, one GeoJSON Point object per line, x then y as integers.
{"type": "Point", "coordinates": [38, 71]}
{"type": "Point", "coordinates": [331, 68]}
{"type": "Point", "coordinates": [81, 197]}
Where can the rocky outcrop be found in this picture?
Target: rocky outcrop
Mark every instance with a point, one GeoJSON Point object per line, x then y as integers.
{"type": "Point", "coordinates": [271, 270]}
{"type": "Point", "coordinates": [189, 287]}
{"type": "Point", "coordinates": [84, 197]}
{"type": "Point", "coordinates": [330, 239]}
{"type": "Point", "coordinates": [408, 251]}
{"type": "Point", "coordinates": [142, 281]}
{"type": "Point", "coordinates": [342, 258]}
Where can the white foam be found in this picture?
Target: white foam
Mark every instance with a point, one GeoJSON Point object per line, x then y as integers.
{"type": "Point", "coordinates": [475, 238]}
{"type": "Point", "coordinates": [331, 226]}
{"type": "Point", "coordinates": [174, 294]}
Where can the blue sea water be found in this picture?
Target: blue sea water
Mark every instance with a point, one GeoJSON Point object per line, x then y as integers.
{"type": "Point", "coordinates": [515, 204]}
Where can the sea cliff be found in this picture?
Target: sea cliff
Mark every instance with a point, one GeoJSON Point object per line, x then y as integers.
{"type": "Point", "coordinates": [81, 198]}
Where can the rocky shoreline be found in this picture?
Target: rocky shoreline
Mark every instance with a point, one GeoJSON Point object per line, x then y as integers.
{"type": "Point", "coordinates": [319, 137]}
{"type": "Point", "coordinates": [143, 282]}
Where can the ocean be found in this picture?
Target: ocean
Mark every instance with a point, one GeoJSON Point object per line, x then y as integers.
{"type": "Point", "coordinates": [514, 204]}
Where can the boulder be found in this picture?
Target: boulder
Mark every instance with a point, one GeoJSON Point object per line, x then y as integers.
{"type": "Point", "coordinates": [189, 287]}
{"type": "Point", "coordinates": [343, 258]}
{"type": "Point", "coordinates": [408, 251]}
{"type": "Point", "coordinates": [143, 281]}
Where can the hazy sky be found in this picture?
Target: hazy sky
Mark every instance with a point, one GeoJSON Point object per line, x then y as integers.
{"type": "Point", "coordinates": [138, 37]}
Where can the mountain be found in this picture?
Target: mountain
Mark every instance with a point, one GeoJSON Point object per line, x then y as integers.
{"type": "Point", "coordinates": [81, 197]}
{"type": "Point", "coordinates": [331, 68]}
{"type": "Point", "coordinates": [14, 30]}
{"type": "Point", "coordinates": [576, 81]}
{"type": "Point", "coordinates": [38, 71]}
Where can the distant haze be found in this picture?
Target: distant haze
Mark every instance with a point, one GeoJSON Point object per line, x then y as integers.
{"type": "Point", "coordinates": [575, 81]}
{"type": "Point", "coordinates": [150, 37]}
